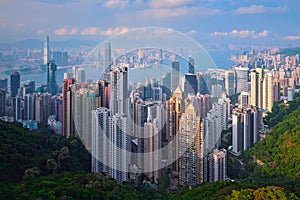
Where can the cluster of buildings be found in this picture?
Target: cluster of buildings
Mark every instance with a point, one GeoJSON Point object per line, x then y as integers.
{"type": "Point", "coordinates": [172, 124]}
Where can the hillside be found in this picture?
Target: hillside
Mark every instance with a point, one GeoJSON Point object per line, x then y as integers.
{"type": "Point", "coordinates": [24, 153]}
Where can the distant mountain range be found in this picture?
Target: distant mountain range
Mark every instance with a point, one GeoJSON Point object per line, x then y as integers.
{"type": "Point", "coordinates": [38, 44]}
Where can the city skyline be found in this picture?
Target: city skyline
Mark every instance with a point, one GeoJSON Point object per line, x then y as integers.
{"type": "Point", "coordinates": [208, 21]}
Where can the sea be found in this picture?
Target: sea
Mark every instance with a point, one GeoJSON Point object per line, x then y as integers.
{"type": "Point", "coordinates": [221, 59]}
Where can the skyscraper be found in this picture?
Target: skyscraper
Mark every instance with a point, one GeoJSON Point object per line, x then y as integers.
{"type": "Point", "coordinates": [100, 140]}
{"type": "Point", "coordinates": [216, 90]}
{"type": "Point", "coordinates": [241, 79]}
{"type": "Point", "coordinates": [102, 87]}
{"type": "Point", "coordinates": [246, 124]}
{"type": "Point", "coordinates": [29, 107]}
{"type": "Point", "coordinates": [119, 91]}
{"type": "Point", "coordinates": [3, 83]}
{"type": "Point", "coordinates": [119, 146]}
{"type": "Point", "coordinates": [212, 130]}
{"type": "Point", "coordinates": [51, 77]}
{"type": "Point", "coordinates": [257, 76]}
{"type": "Point", "coordinates": [244, 100]}
{"type": "Point", "coordinates": [219, 164]}
{"type": "Point", "coordinates": [174, 110]}
{"type": "Point", "coordinates": [2, 101]}
{"type": "Point", "coordinates": [57, 57]}
{"type": "Point", "coordinates": [191, 65]}
{"type": "Point", "coordinates": [107, 60]}
{"type": "Point", "coordinates": [175, 75]}
{"type": "Point", "coordinates": [83, 102]}
{"type": "Point", "coordinates": [268, 92]}
{"type": "Point", "coordinates": [46, 50]}
{"type": "Point", "coordinates": [152, 144]}
{"type": "Point", "coordinates": [201, 104]}
{"type": "Point", "coordinates": [190, 84]}
{"type": "Point", "coordinates": [191, 148]}
{"type": "Point", "coordinates": [80, 75]}
{"type": "Point", "coordinates": [17, 108]}
{"type": "Point", "coordinates": [14, 83]}
{"type": "Point", "coordinates": [67, 105]}
{"type": "Point", "coordinates": [230, 83]}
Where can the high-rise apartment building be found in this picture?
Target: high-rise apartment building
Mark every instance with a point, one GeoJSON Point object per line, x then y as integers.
{"type": "Point", "coordinates": [67, 122]}
{"type": "Point", "coordinates": [152, 145]}
{"type": "Point", "coordinates": [241, 79]}
{"type": "Point", "coordinates": [212, 130]}
{"type": "Point", "coordinates": [246, 125]}
{"type": "Point", "coordinates": [80, 75]}
{"type": "Point", "coordinates": [17, 108]}
{"type": "Point", "coordinates": [257, 78]}
{"type": "Point", "coordinates": [29, 107]}
{"type": "Point", "coordinates": [191, 148]}
{"type": "Point", "coordinates": [2, 102]}
{"type": "Point", "coordinates": [215, 166]}
{"type": "Point", "coordinates": [268, 92]}
{"type": "Point", "coordinates": [100, 140]}
{"type": "Point", "coordinates": [120, 145]}
{"type": "Point", "coordinates": [107, 60]}
{"type": "Point", "coordinates": [83, 102]}
{"type": "Point", "coordinates": [174, 110]}
{"type": "Point", "coordinates": [119, 91]}
{"type": "Point", "coordinates": [244, 100]}
{"type": "Point", "coordinates": [201, 104]}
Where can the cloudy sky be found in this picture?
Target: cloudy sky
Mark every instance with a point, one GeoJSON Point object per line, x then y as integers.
{"type": "Point", "coordinates": [266, 22]}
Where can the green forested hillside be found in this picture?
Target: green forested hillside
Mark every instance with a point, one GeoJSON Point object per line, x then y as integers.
{"type": "Point", "coordinates": [24, 153]}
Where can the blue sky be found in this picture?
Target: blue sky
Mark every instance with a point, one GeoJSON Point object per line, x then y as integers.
{"type": "Point", "coordinates": [264, 22]}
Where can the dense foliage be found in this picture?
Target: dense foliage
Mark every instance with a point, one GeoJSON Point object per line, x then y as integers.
{"type": "Point", "coordinates": [24, 153]}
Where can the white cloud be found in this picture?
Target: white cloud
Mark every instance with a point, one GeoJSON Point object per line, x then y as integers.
{"type": "Point", "coordinates": [66, 31]}
{"type": "Point", "coordinates": [90, 31]}
{"type": "Point", "coordinates": [160, 13]}
{"type": "Point", "coordinates": [242, 34]}
{"type": "Point", "coordinates": [168, 3]}
{"type": "Point", "coordinates": [258, 9]}
{"type": "Point", "coordinates": [116, 3]}
{"type": "Point", "coordinates": [106, 32]}
{"type": "Point", "coordinates": [292, 37]}
{"type": "Point", "coordinates": [191, 32]}
{"type": "Point", "coordinates": [114, 31]}
{"type": "Point", "coordinates": [41, 32]}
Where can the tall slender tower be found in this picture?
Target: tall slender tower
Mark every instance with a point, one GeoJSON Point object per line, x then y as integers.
{"type": "Point", "coordinates": [67, 121]}
{"type": "Point", "coordinates": [175, 109]}
{"type": "Point", "coordinates": [119, 91]}
{"type": "Point", "coordinates": [175, 75]}
{"type": "Point", "coordinates": [14, 83]}
{"type": "Point", "coordinates": [230, 83]}
{"type": "Point", "coordinates": [191, 65]}
{"type": "Point", "coordinates": [268, 92]}
{"type": "Point", "coordinates": [257, 76]}
{"type": "Point", "coordinates": [190, 148]}
{"type": "Point", "coordinates": [51, 77]}
{"type": "Point", "coordinates": [46, 50]}
{"type": "Point", "coordinates": [2, 102]}
{"type": "Point", "coordinates": [107, 60]}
